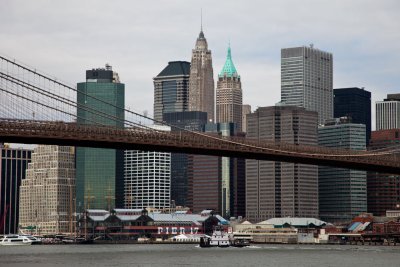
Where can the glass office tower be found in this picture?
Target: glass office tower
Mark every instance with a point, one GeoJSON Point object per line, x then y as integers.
{"type": "Point", "coordinates": [354, 103]}
{"type": "Point", "coordinates": [342, 192]}
{"type": "Point", "coordinates": [100, 172]}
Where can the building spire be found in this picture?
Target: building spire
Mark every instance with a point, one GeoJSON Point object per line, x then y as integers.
{"type": "Point", "coordinates": [229, 68]}
{"type": "Point", "coordinates": [201, 19]}
{"type": "Point", "coordinates": [201, 35]}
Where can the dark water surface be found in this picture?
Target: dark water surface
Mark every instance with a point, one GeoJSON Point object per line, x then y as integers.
{"type": "Point", "coordinates": [192, 255]}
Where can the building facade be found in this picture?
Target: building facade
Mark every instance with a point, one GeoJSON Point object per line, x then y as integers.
{"type": "Point", "coordinates": [47, 193]}
{"type": "Point", "coordinates": [204, 183]}
{"type": "Point", "coordinates": [342, 192]}
{"type": "Point", "coordinates": [229, 98]}
{"type": "Point", "coordinates": [100, 172]}
{"type": "Point", "coordinates": [307, 80]}
{"type": "Point", "coordinates": [171, 89]}
{"type": "Point", "coordinates": [383, 189]}
{"type": "Point", "coordinates": [388, 113]}
{"type": "Point", "coordinates": [201, 81]}
{"type": "Point", "coordinates": [148, 178]}
{"type": "Point", "coordinates": [246, 109]}
{"type": "Point", "coordinates": [278, 189]}
{"type": "Point", "coordinates": [354, 103]}
{"type": "Point", "coordinates": [13, 165]}
{"type": "Point", "coordinates": [192, 121]}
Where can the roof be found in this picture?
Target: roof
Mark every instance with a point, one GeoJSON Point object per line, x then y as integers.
{"type": "Point", "coordinates": [127, 210]}
{"type": "Point", "coordinates": [175, 68]}
{"type": "Point", "coordinates": [294, 221]}
{"type": "Point", "coordinates": [174, 217]}
{"type": "Point", "coordinates": [128, 217]}
{"type": "Point", "coordinates": [229, 68]}
{"type": "Point", "coordinates": [246, 222]}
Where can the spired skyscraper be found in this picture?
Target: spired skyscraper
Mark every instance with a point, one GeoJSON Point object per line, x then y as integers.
{"type": "Point", "coordinates": [306, 80]}
{"type": "Point", "coordinates": [201, 82]}
{"type": "Point", "coordinates": [229, 94]}
{"type": "Point", "coordinates": [100, 172]}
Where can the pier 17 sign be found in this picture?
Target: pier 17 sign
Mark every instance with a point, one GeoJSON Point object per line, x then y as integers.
{"type": "Point", "coordinates": [177, 230]}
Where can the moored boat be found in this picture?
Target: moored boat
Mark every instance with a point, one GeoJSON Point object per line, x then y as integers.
{"type": "Point", "coordinates": [15, 240]}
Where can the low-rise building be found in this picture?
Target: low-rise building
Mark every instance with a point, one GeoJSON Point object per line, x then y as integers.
{"type": "Point", "coordinates": [123, 224]}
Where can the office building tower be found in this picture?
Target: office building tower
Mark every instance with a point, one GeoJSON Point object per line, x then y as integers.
{"type": "Point", "coordinates": [246, 109]}
{"type": "Point", "coordinates": [48, 192]}
{"type": "Point", "coordinates": [230, 175]}
{"type": "Point", "coordinates": [171, 89]}
{"type": "Point", "coordinates": [201, 81]}
{"type": "Point", "coordinates": [229, 98]}
{"type": "Point", "coordinates": [204, 183]}
{"type": "Point", "coordinates": [100, 172]}
{"type": "Point", "coordinates": [388, 113]}
{"type": "Point", "coordinates": [280, 189]}
{"type": "Point", "coordinates": [306, 80]}
{"type": "Point", "coordinates": [187, 120]}
{"type": "Point", "coordinates": [342, 192]}
{"type": "Point", "coordinates": [148, 178]}
{"type": "Point", "coordinates": [383, 189]}
{"type": "Point", "coordinates": [355, 104]}
{"type": "Point", "coordinates": [13, 165]}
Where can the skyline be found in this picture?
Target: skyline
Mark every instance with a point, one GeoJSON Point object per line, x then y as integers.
{"type": "Point", "coordinates": [139, 40]}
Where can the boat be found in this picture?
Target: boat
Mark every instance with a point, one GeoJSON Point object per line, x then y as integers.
{"type": "Point", "coordinates": [241, 239]}
{"type": "Point", "coordinates": [219, 238]}
{"type": "Point", "coordinates": [35, 240]}
{"type": "Point", "coordinates": [77, 240]}
{"type": "Point", "coordinates": [14, 240]}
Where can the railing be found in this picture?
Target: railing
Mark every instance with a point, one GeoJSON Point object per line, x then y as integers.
{"type": "Point", "coordinates": [192, 142]}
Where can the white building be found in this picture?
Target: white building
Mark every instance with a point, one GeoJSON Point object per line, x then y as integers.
{"type": "Point", "coordinates": [306, 80]}
{"type": "Point", "coordinates": [147, 178]}
{"type": "Point", "coordinates": [388, 113]}
{"type": "Point", "coordinates": [47, 195]}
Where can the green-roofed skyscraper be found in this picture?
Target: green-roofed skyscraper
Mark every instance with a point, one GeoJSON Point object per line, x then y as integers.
{"type": "Point", "coordinates": [229, 94]}
{"type": "Point", "coordinates": [100, 172]}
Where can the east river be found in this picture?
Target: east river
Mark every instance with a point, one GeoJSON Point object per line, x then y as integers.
{"type": "Point", "coordinates": [192, 255]}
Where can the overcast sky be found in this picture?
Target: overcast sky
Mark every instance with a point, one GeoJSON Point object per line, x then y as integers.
{"type": "Point", "coordinates": [138, 38]}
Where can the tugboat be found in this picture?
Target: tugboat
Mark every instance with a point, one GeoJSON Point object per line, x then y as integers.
{"type": "Point", "coordinates": [219, 238]}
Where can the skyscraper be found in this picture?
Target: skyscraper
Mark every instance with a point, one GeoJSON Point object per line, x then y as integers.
{"type": "Point", "coordinates": [388, 113]}
{"type": "Point", "coordinates": [171, 89]}
{"type": "Point", "coordinates": [354, 103]}
{"type": "Point", "coordinates": [201, 82]}
{"type": "Point", "coordinates": [192, 121]}
{"type": "Point", "coordinates": [100, 172]}
{"type": "Point", "coordinates": [229, 98]}
{"type": "Point", "coordinates": [204, 185]}
{"type": "Point", "coordinates": [342, 192]}
{"type": "Point", "coordinates": [383, 188]}
{"type": "Point", "coordinates": [148, 178]}
{"type": "Point", "coordinates": [13, 165]}
{"type": "Point", "coordinates": [306, 80]}
{"type": "Point", "coordinates": [279, 189]}
{"type": "Point", "coordinates": [48, 191]}
{"type": "Point", "coordinates": [246, 109]}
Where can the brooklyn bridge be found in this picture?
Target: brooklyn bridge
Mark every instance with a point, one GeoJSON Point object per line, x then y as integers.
{"type": "Point", "coordinates": [38, 109]}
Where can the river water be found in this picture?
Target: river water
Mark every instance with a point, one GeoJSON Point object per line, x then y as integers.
{"type": "Point", "coordinates": [192, 255]}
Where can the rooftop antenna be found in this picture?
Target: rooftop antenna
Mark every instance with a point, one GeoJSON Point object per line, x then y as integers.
{"type": "Point", "coordinates": [201, 19]}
